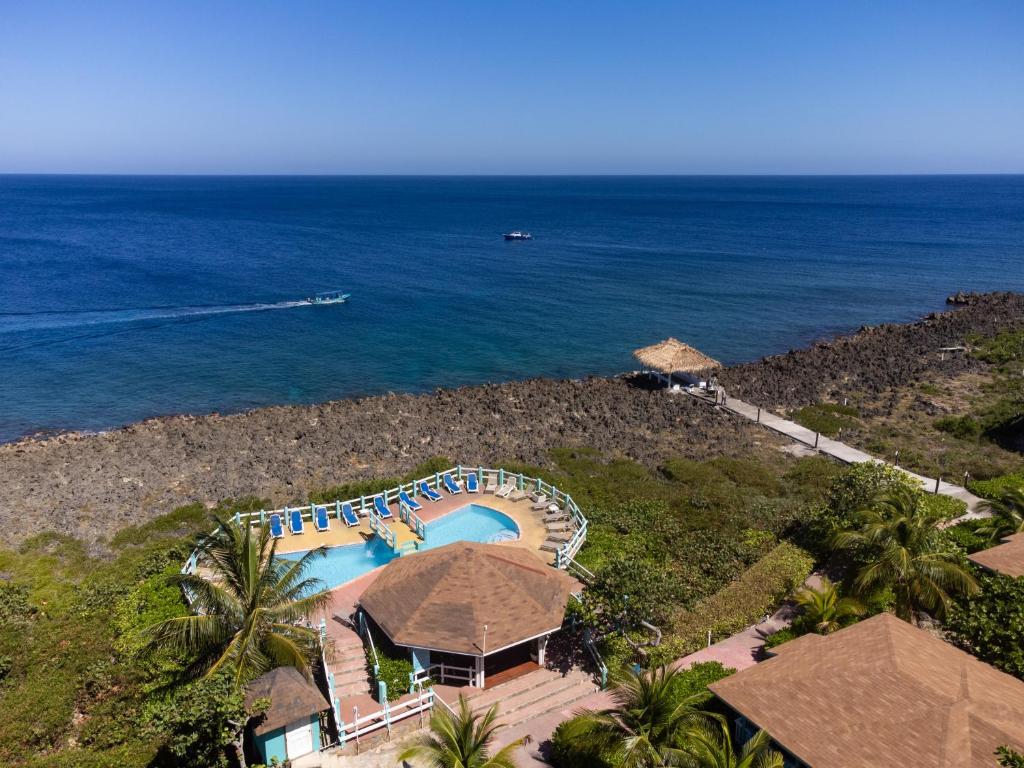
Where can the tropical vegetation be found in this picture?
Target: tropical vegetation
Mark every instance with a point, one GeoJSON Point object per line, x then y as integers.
{"type": "Point", "coordinates": [990, 625]}
{"type": "Point", "coordinates": [897, 546]}
{"type": "Point", "coordinates": [709, 745]}
{"type": "Point", "coordinates": [247, 605]}
{"type": "Point", "coordinates": [1007, 515]}
{"type": "Point", "coordinates": [825, 609]}
{"type": "Point", "coordinates": [463, 739]}
{"type": "Point", "coordinates": [646, 722]}
{"type": "Point", "coordinates": [659, 717]}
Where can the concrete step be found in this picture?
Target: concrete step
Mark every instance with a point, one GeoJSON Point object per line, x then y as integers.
{"type": "Point", "coordinates": [549, 687]}
{"type": "Point", "coordinates": [559, 699]}
{"type": "Point", "coordinates": [512, 688]}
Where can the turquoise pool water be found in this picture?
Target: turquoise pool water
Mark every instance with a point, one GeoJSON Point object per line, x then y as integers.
{"type": "Point", "coordinates": [473, 522]}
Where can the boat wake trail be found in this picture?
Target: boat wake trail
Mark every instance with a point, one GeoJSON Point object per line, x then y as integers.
{"type": "Point", "coordinates": [110, 322]}
{"type": "Point", "coordinates": [43, 320]}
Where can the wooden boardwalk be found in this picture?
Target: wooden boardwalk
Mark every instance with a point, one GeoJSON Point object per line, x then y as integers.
{"type": "Point", "coordinates": [838, 450]}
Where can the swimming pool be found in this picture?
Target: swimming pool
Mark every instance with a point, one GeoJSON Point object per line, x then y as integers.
{"type": "Point", "coordinates": [473, 522]}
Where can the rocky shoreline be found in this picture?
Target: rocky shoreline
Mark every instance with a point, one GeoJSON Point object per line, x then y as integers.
{"type": "Point", "coordinates": [91, 485]}
{"type": "Point", "coordinates": [877, 359]}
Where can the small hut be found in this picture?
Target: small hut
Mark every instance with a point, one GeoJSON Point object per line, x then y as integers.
{"type": "Point", "coordinates": [291, 727]}
{"type": "Point", "coordinates": [672, 356]}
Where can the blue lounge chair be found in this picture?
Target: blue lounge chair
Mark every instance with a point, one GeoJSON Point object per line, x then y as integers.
{"type": "Point", "coordinates": [382, 509]}
{"type": "Point", "coordinates": [410, 502]}
{"type": "Point", "coordinates": [429, 492]}
{"type": "Point", "coordinates": [295, 521]}
{"type": "Point", "coordinates": [450, 485]}
{"type": "Point", "coordinates": [276, 528]}
{"type": "Point", "coordinates": [349, 514]}
{"type": "Point", "coordinates": [472, 484]}
{"type": "Point", "coordinates": [320, 519]}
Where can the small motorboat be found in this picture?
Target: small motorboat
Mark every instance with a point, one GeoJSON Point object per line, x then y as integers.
{"type": "Point", "coordinates": [328, 297]}
{"type": "Point", "coordinates": [517, 235]}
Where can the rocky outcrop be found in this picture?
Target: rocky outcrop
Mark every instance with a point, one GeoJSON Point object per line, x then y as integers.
{"type": "Point", "coordinates": [875, 359]}
{"type": "Point", "coordinates": [86, 483]}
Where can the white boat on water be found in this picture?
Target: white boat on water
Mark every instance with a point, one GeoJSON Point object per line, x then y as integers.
{"type": "Point", "coordinates": [517, 235]}
{"type": "Point", "coordinates": [328, 297]}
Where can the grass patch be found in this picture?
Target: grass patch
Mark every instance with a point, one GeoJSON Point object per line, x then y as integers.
{"type": "Point", "coordinates": [827, 418]}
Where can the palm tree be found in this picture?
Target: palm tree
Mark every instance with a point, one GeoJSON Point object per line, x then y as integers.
{"type": "Point", "coordinates": [246, 609]}
{"type": "Point", "coordinates": [1007, 515]}
{"type": "Point", "coordinates": [644, 726]}
{"type": "Point", "coordinates": [709, 745]}
{"type": "Point", "coordinates": [461, 740]}
{"type": "Point", "coordinates": [904, 554]}
{"type": "Point", "coordinates": [824, 607]}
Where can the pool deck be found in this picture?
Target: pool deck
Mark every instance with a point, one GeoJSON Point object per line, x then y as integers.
{"type": "Point", "coordinates": [532, 532]}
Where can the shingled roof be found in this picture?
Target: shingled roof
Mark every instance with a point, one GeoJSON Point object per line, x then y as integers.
{"type": "Point", "coordinates": [1006, 558]}
{"type": "Point", "coordinates": [442, 598]}
{"type": "Point", "coordinates": [292, 698]}
{"type": "Point", "coordinates": [672, 355]}
{"type": "Point", "coordinates": [880, 692]}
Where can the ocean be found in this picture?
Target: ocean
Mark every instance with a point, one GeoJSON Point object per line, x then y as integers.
{"type": "Point", "coordinates": [123, 298]}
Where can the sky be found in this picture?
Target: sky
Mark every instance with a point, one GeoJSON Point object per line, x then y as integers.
{"type": "Point", "coordinates": [435, 87]}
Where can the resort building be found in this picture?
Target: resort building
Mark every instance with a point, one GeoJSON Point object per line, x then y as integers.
{"type": "Point", "coordinates": [1006, 558]}
{"type": "Point", "coordinates": [291, 727]}
{"type": "Point", "coordinates": [878, 693]}
{"type": "Point", "coordinates": [469, 613]}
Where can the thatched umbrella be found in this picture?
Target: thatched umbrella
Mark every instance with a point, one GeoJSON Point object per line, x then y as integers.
{"type": "Point", "coordinates": [673, 356]}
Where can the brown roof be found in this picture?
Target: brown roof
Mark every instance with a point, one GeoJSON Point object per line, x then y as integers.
{"type": "Point", "coordinates": [1006, 558]}
{"type": "Point", "coordinates": [880, 693]}
{"type": "Point", "coordinates": [673, 355]}
{"type": "Point", "coordinates": [292, 697]}
{"type": "Point", "coordinates": [442, 598]}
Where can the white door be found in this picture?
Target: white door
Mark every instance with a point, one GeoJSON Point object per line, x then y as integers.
{"type": "Point", "coordinates": [298, 739]}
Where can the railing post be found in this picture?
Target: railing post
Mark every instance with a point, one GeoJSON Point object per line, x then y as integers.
{"type": "Point", "coordinates": [337, 509]}
{"type": "Point", "coordinates": [519, 484]}
{"type": "Point", "coordinates": [501, 476]}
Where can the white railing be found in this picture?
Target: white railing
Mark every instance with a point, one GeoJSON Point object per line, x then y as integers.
{"type": "Point", "coordinates": [385, 717]}
{"type": "Point", "coordinates": [442, 672]}
{"type": "Point", "coordinates": [485, 475]}
{"type": "Point", "coordinates": [380, 527]}
{"type": "Point", "coordinates": [413, 520]}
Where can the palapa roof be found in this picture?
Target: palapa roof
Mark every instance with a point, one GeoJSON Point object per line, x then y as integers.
{"type": "Point", "coordinates": [292, 697]}
{"type": "Point", "coordinates": [880, 692]}
{"type": "Point", "coordinates": [672, 355]}
{"type": "Point", "coordinates": [1006, 558]}
{"type": "Point", "coordinates": [442, 598]}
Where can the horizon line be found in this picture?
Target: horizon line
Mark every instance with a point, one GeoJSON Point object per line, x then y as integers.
{"type": "Point", "coordinates": [894, 174]}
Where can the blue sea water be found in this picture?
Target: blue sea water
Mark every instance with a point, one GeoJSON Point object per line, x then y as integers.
{"type": "Point", "coordinates": [128, 297]}
{"type": "Point", "coordinates": [473, 522]}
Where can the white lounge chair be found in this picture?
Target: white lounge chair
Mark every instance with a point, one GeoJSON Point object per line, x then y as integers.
{"type": "Point", "coordinates": [504, 490]}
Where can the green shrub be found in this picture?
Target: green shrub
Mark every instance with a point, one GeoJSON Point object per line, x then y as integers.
{"type": "Point", "coordinates": [964, 536]}
{"type": "Point", "coordinates": [395, 667]}
{"type": "Point", "coordinates": [990, 625]}
{"type": "Point", "coordinates": [1002, 349]}
{"type": "Point", "coordinates": [996, 486]}
{"type": "Point", "coordinates": [745, 601]}
{"type": "Point", "coordinates": [961, 427]}
{"type": "Point", "coordinates": [573, 747]}
{"type": "Point", "coordinates": [944, 507]}
{"type": "Point", "coordinates": [780, 637]}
